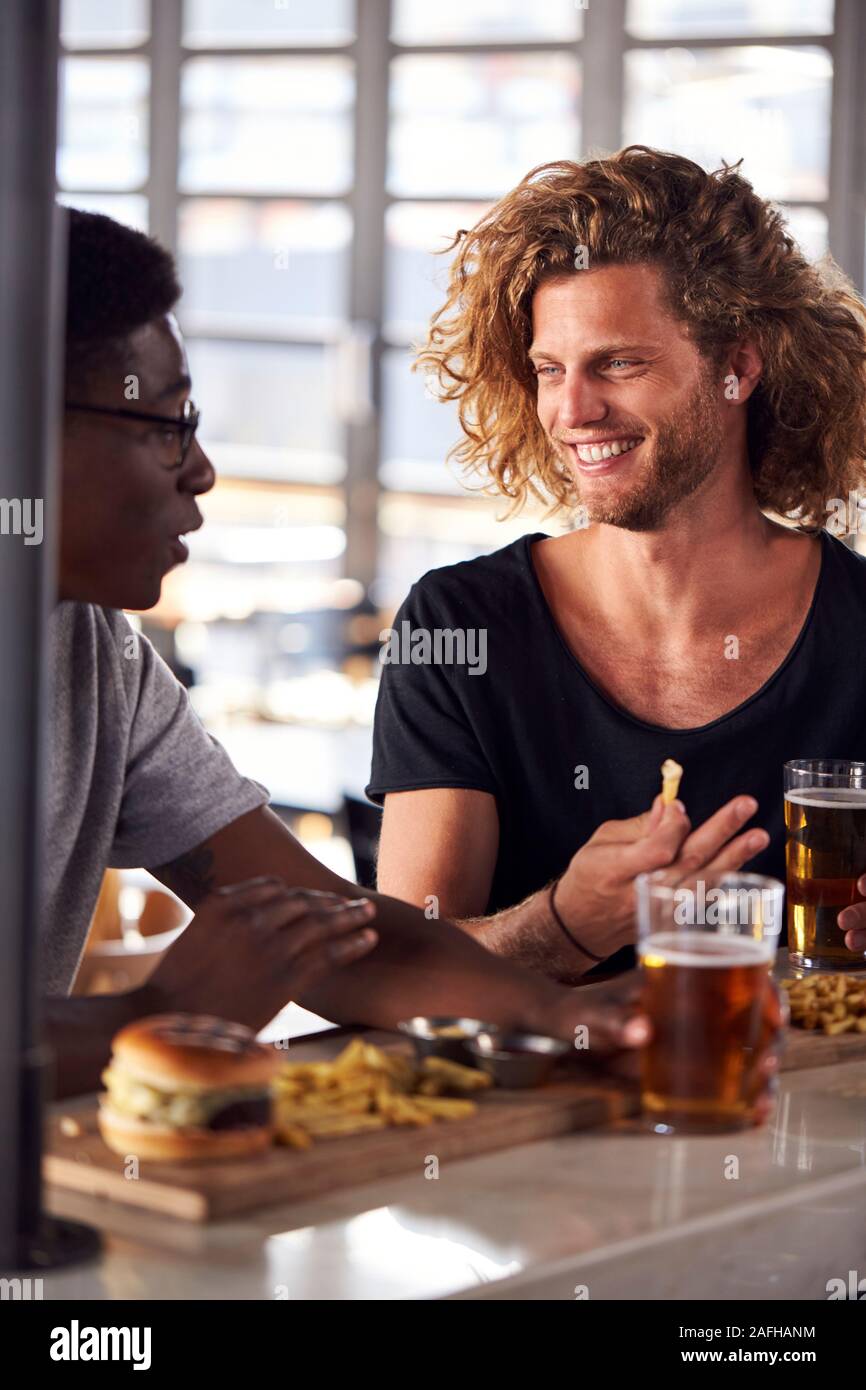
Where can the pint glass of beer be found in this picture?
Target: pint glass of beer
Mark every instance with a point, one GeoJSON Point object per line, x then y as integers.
{"type": "Point", "coordinates": [706, 947]}
{"type": "Point", "coordinates": [825, 853]}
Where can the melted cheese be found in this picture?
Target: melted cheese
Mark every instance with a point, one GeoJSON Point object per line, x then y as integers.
{"type": "Point", "coordinates": [176, 1109]}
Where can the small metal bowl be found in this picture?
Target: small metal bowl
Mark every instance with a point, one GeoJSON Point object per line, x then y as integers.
{"type": "Point", "coordinates": [517, 1059]}
{"type": "Point", "coordinates": [428, 1043]}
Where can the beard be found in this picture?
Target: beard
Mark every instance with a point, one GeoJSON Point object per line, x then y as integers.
{"type": "Point", "coordinates": [685, 452]}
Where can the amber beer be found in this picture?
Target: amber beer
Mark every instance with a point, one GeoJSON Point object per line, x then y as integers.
{"type": "Point", "coordinates": [825, 852]}
{"type": "Point", "coordinates": [706, 946]}
{"type": "Point", "coordinates": [704, 993]}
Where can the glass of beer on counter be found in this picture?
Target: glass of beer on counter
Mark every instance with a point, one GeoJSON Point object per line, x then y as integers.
{"type": "Point", "coordinates": [825, 854]}
{"type": "Point", "coordinates": [706, 947]}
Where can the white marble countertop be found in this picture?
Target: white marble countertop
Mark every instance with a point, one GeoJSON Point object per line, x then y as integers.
{"type": "Point", "coordinates": [772, 1213]}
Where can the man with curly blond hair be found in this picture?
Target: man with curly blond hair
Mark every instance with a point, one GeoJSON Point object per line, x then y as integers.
{"type": "Point", "coordinates": [641, 344]}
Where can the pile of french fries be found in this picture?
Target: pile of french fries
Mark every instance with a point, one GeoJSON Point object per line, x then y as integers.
{"type": "Point", "coordinates": [364, 1089]}
{"type": "Point", "coordinates": [833, 1003]}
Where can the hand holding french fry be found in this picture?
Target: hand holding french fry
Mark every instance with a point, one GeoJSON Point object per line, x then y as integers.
{"type": "Point", "coordinates": [595, 896]}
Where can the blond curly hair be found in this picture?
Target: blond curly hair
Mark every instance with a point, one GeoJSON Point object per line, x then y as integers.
{"type": "Point", "coordinates": [730, 271]}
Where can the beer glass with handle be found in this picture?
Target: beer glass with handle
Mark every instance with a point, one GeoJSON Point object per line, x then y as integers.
{"type": "Point", "coordinates": [706, 947]}
{"type": "Point", "coordinates": [825, 854]}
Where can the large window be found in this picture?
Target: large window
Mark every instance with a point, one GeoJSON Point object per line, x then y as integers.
{"type": "Point", "coordinates": [305, 160]}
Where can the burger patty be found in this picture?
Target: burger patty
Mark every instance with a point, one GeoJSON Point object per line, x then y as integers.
{"type": "Point", "coordinates": [242, 1114]}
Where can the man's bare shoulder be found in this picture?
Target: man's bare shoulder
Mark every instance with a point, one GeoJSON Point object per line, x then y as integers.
{"type": "Point", "coordinates": [558, 556]}
{"type": "Point", "coordinates": [794, 553]}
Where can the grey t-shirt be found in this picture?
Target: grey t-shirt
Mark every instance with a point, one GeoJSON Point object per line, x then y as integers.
{"type": "Point", "coordinates": [134, 780]}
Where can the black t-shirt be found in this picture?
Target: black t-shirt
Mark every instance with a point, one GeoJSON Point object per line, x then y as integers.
{"type": "Point", "coordinates": [523, 728]}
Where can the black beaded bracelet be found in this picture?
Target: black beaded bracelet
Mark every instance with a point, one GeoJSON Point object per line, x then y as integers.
{"type": "Point", "coordinates": [559, 922]}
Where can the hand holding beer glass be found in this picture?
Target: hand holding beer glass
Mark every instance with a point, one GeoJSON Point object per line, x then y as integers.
{"type": "Point", "coordinates": [706, 946]}
{"type": "Point", "coordinates": [825, 854]}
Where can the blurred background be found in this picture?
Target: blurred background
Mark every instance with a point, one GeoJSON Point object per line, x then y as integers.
{"type": "Point", "coordinates": [305, 159]}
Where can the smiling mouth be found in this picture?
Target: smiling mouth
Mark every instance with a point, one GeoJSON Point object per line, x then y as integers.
{"type": "Point", "coordinates": [603, 457]}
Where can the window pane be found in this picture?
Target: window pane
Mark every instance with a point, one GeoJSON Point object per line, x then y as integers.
{"type": "Point", "coordinates": [271, 540]}
{"type": "Point", "coordinates": [415, 277]}
{"type": "Point", "coordinates": [267, 262]}
{"type": "Point", "coordinates": [266, 125]}
{"type": "Point", "coordinates": [267, 411]}
{"type": "Point", "coordinates": [809, 229]}
{"type": "Point", "coordinates": [417, 431]}
{"type": "Point", "coordinates": [301, 533]}
{"type": "Point", "coordinates": [103, 23]}
{"type": "Point", "coordinates": [770, 105]}
{"type": "Point", "coordinates": [482, 21]}
{"type": "Point", "coordinates": [128, 208]}
{"type": "Point", "coordinates": [260, 23]}
{"type": "Point", "coordinates": [660, 19]}
{"type": "Point", "coordinates": [477, 125]}
{"type": "Point", "coordinates": [103, 137]}
{"type": "Point", "coordinates": [419, 534]}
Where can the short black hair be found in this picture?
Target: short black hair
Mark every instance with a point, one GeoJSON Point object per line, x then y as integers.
{"type": "Point", "coordinates": [117, 280]}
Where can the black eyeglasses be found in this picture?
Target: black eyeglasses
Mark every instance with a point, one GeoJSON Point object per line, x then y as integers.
{"type": "Point", "coordinates": [178, 429]}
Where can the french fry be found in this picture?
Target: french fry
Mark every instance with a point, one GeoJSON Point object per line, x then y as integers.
{"type": "Point", "coordinates": [331, 1125]}
{"type": "Point", "coordinates": [293, 1136]}
{"type": "Point", "coordinates": [431, 1086]}
{"type": "Point", "coordinates": [445, 1108]}
{"type": "Point", "coordinates": [303, 1114]}
{"type": "Point", "coordinates": [402, 1110]}
{"type": "Point", "coordinates": [461, 1078]}
{"type": "Point", "coordinates": [842, 1025]}
{"type": "Point", "coordinates": [671, 774]}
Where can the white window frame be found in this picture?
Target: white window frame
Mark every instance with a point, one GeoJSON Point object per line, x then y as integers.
{"type": "Point", "coordinates": [601, 50]}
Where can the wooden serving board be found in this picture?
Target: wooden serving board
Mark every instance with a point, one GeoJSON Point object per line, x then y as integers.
{"type": "Point", "coordinates": [813, 1049]}
{"type": "Point", "coordinates": [207, 1191]}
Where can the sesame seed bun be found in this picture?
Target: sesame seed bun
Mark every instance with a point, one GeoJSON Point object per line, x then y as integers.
{"type": "Point", "coordinates": [195, 1052]}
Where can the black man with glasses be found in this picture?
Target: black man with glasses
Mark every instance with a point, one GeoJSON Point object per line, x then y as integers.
{"type": "Point", "coordinates": [136, 781]}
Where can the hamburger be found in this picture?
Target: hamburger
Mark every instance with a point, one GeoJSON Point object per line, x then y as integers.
{"type": "Point", "coordinates": [187, 1086]}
